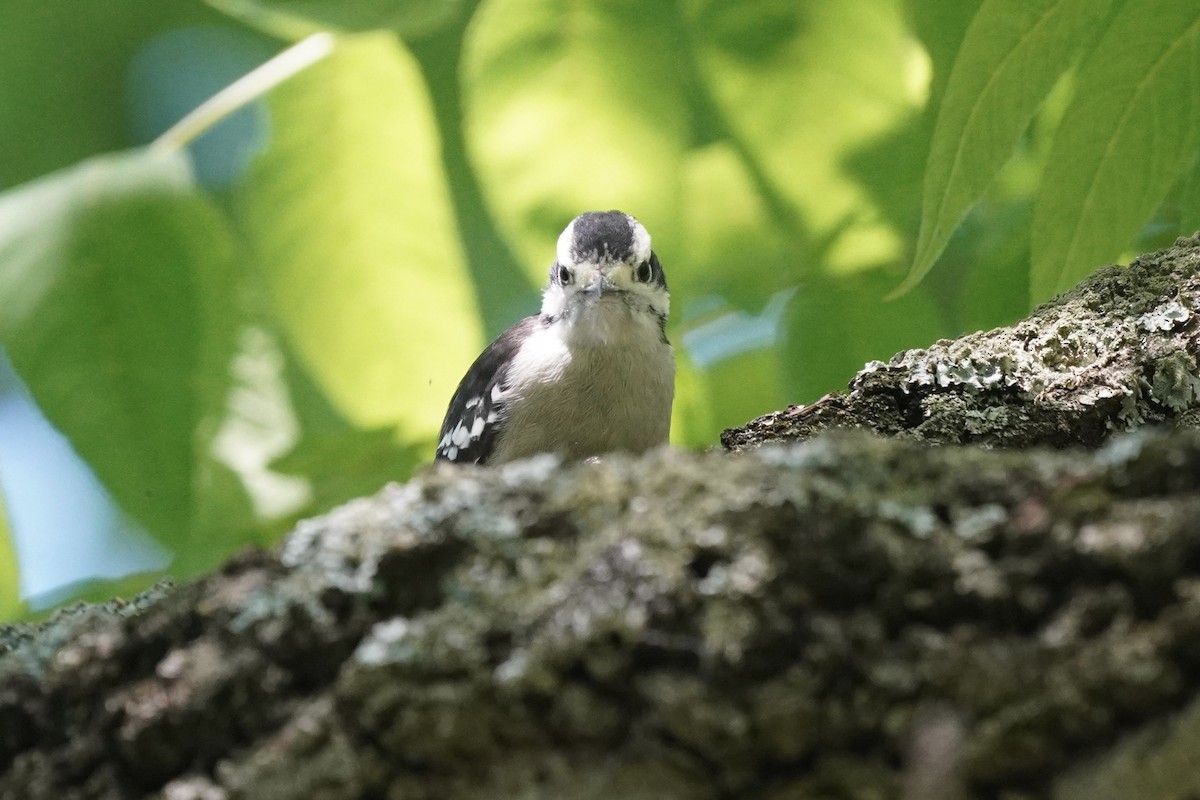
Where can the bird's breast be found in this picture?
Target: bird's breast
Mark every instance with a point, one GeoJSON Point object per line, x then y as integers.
{"type": "Point", "coordinates": [585, 395]}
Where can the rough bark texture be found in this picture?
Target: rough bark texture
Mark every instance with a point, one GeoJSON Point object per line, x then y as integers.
{"type": "Point", "coordinates": [850, 616]}
{"type": "Point", "coordinates": [1116, 353]}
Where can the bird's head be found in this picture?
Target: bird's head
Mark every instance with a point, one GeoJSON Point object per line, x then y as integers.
{"type": "Point", "coordinates": [605, 266]}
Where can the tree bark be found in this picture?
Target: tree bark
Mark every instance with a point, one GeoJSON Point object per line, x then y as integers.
{"type": "Point", "coordinates": [1116, 353]}
{"type": "Point", "coordinates": [853, 616]}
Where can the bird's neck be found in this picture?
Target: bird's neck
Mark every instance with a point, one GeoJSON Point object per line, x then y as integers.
{"type": "Point", "coordinates": [608, 322]}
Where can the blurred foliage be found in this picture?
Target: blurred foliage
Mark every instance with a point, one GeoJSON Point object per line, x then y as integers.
{"type": "Point", "coordinates": [270, 320]}
{"type": "Point", "coordinates": [10, 573]}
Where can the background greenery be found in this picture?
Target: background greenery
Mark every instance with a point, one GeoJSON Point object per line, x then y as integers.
{"type": "Point", "coordinates": [270, 320]}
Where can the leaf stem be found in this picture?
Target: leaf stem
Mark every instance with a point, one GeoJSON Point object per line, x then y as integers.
{"type": "Point", "coordinates": [245, 90]}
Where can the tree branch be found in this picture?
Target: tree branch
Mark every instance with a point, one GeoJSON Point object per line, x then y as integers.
{"type": "Point", "coordinates": [851, 616]}
{"type": "Point", "coordinates": [1114, 354]}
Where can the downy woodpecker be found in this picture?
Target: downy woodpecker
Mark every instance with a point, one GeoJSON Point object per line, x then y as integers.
{"type": "Point", "coordinates": [592, 373]}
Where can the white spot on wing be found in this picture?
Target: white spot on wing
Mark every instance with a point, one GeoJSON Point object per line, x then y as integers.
{"type": "Point", "coordinates": [461, 435]}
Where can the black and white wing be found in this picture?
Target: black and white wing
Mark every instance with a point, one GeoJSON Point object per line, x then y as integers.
{"type": "Point", "coordinates": [477, 414]}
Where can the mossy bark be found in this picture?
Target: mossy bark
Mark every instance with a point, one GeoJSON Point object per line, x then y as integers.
{"type": "Point", "coordinates": [1116, 353]}
{"type": "Point", "coordinates": [850, 616]}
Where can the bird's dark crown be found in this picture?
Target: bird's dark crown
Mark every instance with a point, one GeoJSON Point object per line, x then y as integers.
{"type": "Point", "coordinates": [602, 236]}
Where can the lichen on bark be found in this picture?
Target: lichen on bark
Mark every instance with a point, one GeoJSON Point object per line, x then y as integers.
{"type": "Point", "coordinates": [1114, 354]}
{"type": "Point", "coordinates": [683, 625]}
{"type": "Point", "coordinates": [850, 616]}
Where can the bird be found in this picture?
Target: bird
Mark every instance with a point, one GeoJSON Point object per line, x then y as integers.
{"type": "Point", "coordinates": [591, 373]}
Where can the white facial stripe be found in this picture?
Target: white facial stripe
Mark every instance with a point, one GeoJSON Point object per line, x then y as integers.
{"type": "Point", "coordinates": [563, 249]}
{"type": "Point", "coordinates": [553, 300]}
{"type": "Point", "coordinates": [641, 241]}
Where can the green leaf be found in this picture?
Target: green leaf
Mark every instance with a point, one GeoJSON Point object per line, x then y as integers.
{"type": "Point", "coordinates": [1189, 202]}
{"type": "Point", "coordinates": [693, 423]}
{"type": "Point", "coordinates": [298, 18]}
{"type": "Point", "coordinates": [1012, 56]}
{"type": "Point", "coordinates": [1126, 139]}
{"type": "Point", "coordinates": [729, 366]}
{"type": "Point", "coordinates": [11, 606]}
{"type": "Point", "coordinates": [222, 521]}
{"type": "Point", "coordinates": [237, 501]}
{"type": "Point", "coordinates": [734, 390]}
{"type": "Point", "coordinates": [732, 246]}
{"type": "Point", "coordinates": [338, 460]}
{"type": "Point", "coordinates": [838, 323]}
{"type": "Point", "coordinates": [109, 274]}
{"type": "Point", "coordinates": [349, 214]}
{"type": "Point", "coordinates": [66, 65]}
{"type": "Point", "coordinates": [941, 26]}
{"type": "Point", "coordinates": [802, 87]}
{"type": "Point", "coordinates": [348, 464]}
{"type": "Point", "coordinates": [988, 264]}
{"type": "Point", "coordinates": [571, 107]}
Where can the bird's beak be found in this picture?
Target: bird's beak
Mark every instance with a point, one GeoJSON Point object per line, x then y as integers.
{"type": "Point", "coordinates": [599, 284]}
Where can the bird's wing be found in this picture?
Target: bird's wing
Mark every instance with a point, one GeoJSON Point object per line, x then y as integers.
{"type": "Point", "coordinates": [477, 414]}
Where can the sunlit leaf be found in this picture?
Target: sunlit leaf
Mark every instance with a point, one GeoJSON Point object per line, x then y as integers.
{"type": "Point", "coordinates": [297, 18]}
{"type": "Point", "coordinates": [504, 292]}
{"type": "Point", "coordinates": [10, 572]}
{"type": "Point", "coordinates": [106, 271]}
{"type": "Point", "coordinates": [692, 421]}
{"type": "Point", "coordinates": [350, 464]}
{"type": "Point", "coordinates": [350, 218]}
{"type": "Point", "coordinates": [1013, 54]}
{"type": "Point", "coordinates": [803, 86]}
{"type": "Point", "coordinates": [571, 107]}
{"type": "Point", "coordinates": [1127, 137]}
{"type": "Point", "coordinates": [335, 460]}
{"type": "Point", "coordinates": [732, 244]}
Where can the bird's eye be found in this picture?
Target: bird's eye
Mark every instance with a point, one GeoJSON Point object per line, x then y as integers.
{"type": "Point", "coordinates": [644, 272]}
{"type": "Point", "coordinates": [562, 275]}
